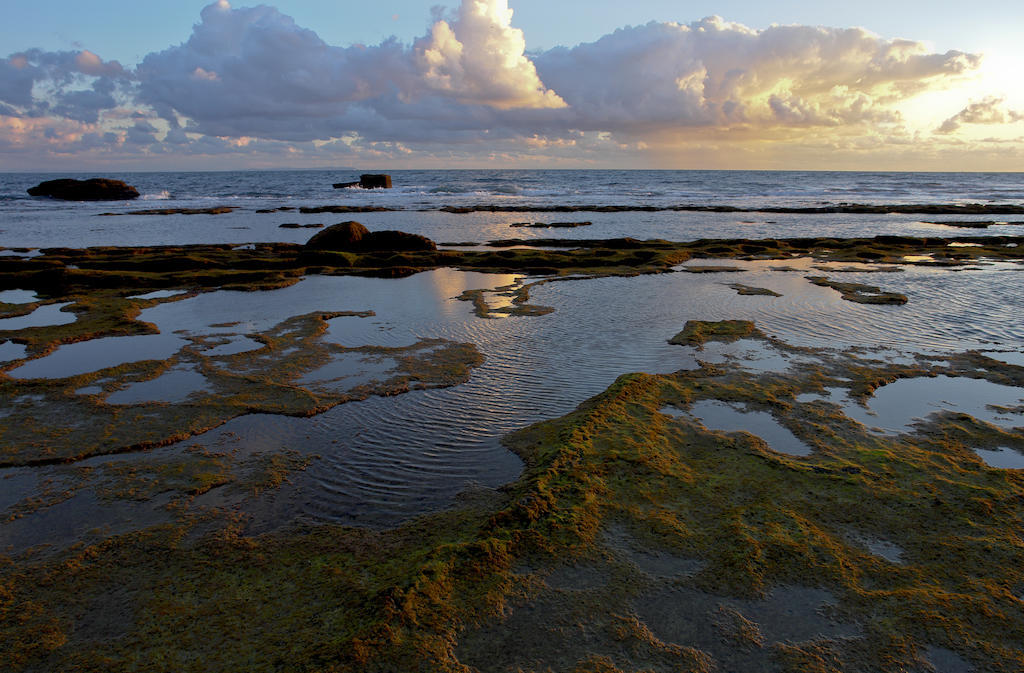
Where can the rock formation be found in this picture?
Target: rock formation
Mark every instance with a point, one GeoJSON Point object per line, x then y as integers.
{"type": "Point", "coordinates": [354, 237]}
{"type": "Point", "coordinates": [95, 189]}
{"type": "Point", "coordinates": [368, 181]}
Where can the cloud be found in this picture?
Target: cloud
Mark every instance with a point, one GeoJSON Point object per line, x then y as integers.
{"type": "Point", "coordinates": [251, 80]}
{"type": "Point", "coordinates": [67, 84]}
{"type": "Point", "coordinates": [253, 71]}
{"type": "Point", "coordinates": [479, 58]}
{"type": "Point", "coordinates": [715, 73]}
{"type": "Point", "coordinates": [991, 110]}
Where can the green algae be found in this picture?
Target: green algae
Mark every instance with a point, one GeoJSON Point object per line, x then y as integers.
{"type": "Point", "coordinates": [439, 591]}
{"type": "Point", "coordinates": [859, 292]}
{"type": "Point", "coordinates": [698, 332]}
{"type": "Point", "coordinates": [748, 290]}
{"type": "Point", "coordinates": [519, 295]}
{"type": "Point", "coordinates": [49, 422]}
{"type": "Point", "coordinates": [694, 268]}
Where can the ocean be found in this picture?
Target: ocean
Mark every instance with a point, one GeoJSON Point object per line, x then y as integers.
{"type": "Point", "coordinates": [418, 198]}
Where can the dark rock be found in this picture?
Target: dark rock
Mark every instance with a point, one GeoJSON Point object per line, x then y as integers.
{"type": "Point", "coordinates": [95, 189]}
{"type": "Point", "coordinates": [397, 240]}
{"type": "Point", "coordinates": [354, 237]}
{"type": "Point", "coordinates": [342, 236]}
{"type": "Point", "coordinates": [215, 210]}
{"type": "Point", "coordinates": [296, 225]}
{"type": "Point", "coordinates": [551, 225]}
{"type": "Point", "coordinates": [368, 181]}
{"type": "Point", "coordinates": [375, 181]}
{"type": "Point", "coordinates": [317, 210]}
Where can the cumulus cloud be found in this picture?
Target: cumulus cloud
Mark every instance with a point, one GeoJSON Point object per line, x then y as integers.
{"type": "Point", "coordinates": [251, 79]}
{"type": "Point", "coordinates": [716, 73]}
{"type": "Point", "coordinates": [68, 84]}
{"type": "Point", "coordinates": [991, 110]}
{"type": "Point", "coordinates": [479, 58]}
{"type": "Point", "coordinates": [253, 71]}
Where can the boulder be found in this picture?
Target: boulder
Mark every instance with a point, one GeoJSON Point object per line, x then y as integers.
{"type": "Point", "coordinates": [396, 240]}
{"type": "Point", "coordinates": [343, 236]}
{"type": "Point", "coordinates": [368, 181]}
{"type": "Point", "coordinates": [95, 189]}
{"type": "Point", "coordinates": [375, 181]}
{"type": "Point", "coordinates": [354, 237]}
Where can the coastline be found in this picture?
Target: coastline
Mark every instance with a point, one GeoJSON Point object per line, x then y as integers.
{"type": "Point", "coordinates": [630, 513]}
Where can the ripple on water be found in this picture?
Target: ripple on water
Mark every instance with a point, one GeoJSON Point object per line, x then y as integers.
{"type": "Point", "coordinates": [386, 459]}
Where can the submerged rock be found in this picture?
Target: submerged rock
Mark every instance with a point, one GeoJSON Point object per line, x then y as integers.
{"type": "Point", "coordinates": [94, 189]}
{"type": "Point", "coordinates": [353, 236]}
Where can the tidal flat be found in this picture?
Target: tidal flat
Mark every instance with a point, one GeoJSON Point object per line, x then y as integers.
{"type": "Point", "coordinates": [527, 455]}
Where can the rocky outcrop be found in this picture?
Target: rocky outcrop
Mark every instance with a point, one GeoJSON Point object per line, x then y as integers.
{"type": "Point", "coordinates": [551, 225]}
{"type": "Point", "coordinates": [368, 181]}
{"type": "Point", "coordinates": [354, 237]}
{"type": "Point", "coordinates": [95, 189]}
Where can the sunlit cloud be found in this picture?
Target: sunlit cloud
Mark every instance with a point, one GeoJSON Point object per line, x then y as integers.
{"type": "Point", "coordinates": [992, 110]}
{"type": "Point", "coordinates": [478, 57]}
{"type": "Point", "coordinates": [250, 83]}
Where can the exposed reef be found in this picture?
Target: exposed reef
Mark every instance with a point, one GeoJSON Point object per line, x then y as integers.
{"type": "Point", "coordinates": [698, 332]}
{"type": "Point", "coordinates": [973, 224]}
{"type": "Point", "coordinates": [314, 210]}
{"type": "Point", "coordinates": [634, 540]}
{"type": "Point", "coordinates": [354, 237]}
{"type": "Point", "coordinates": [62, 272]}
{"type": "Point", "coordinates": [551, 225]}
{"type": "Point", "coordinates": [214, 210]}
{"type": "Point", "coordinates": [859, 292]}
{"type": "Point", "coordinates": [94, 189]}
{"type": "Point", "coordinates": [49, 420]}
{"type": "Point", "coordinates": [852, 208]}
{"type": "Point", "coordinates": [748, 290]}
{"type": "Point", "coordinates": [637, 538]}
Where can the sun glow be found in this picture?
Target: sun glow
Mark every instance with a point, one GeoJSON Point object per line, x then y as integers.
{"type": "Point", "coordinates": [997, 78]}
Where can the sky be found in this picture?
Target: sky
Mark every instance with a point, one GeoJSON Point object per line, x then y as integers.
{"type": "Point", "coordinates": [511, 83]}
